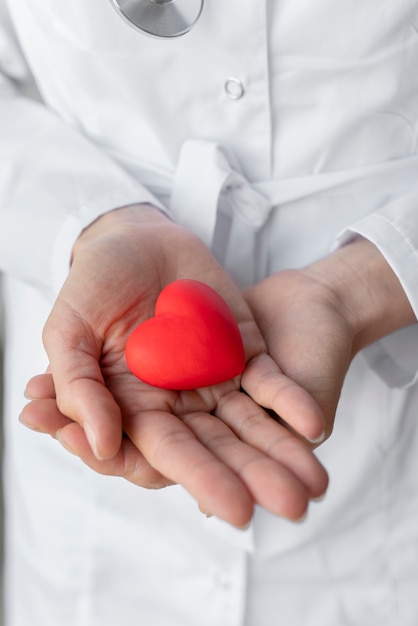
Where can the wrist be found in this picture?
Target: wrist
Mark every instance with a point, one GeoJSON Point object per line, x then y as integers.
{"type": "Point", "coordinates": [126, 218]}
{"type": "Point", "coordinates": [365, 290]}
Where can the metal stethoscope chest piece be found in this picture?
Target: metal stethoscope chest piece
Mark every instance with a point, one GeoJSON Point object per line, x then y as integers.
{"type": "Point", "coordinates": [160, 18]}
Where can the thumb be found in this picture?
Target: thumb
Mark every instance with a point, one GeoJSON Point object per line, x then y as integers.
{"type": "Point", "coordinates": [74, 354]}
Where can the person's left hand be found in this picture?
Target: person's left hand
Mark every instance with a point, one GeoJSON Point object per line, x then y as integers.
{"type": "Point", "coordinates": [316, 319]}
{"type": "Point", "coordinates": [305, 333]}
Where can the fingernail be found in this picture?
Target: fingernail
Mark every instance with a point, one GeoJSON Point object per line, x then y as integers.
{"type": "Point", "coordinates": [91, 438]}
{"type": "Point", "coordinates": [64, 444]}
{"type": "Point", "coordinates": [316, 440]}
{"type": "Point", "coordinates": [245, 526]}
{"type": "Point", "coordinates": [319, 498]}
{"type": "Point", "coordinates": [205, 513]}
{"type": "Point", "coordinates": [26, 395]}
{"type": "Point", "coordinates": [24, 422]}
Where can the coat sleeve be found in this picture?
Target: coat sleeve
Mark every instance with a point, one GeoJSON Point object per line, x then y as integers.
{"type": "Point", "coordinates": [394, 230]}
{"type": "Point", "coordinates": [53, 181]}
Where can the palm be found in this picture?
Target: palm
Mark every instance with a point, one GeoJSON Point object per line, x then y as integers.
{"type": "Point", "coordinates": [216, 441]}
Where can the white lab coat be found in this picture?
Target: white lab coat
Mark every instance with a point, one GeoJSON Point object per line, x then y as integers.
{"type": "Point", "coordinates": [320, 145]}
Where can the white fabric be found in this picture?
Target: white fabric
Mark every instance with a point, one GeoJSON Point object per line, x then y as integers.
{"type": "Point", "coordinates": [321, 146]}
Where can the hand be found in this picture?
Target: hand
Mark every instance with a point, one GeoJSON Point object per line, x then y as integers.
{"type": "Point", "coordinates": [315, 320]}
{"type": "Point", "coordinates": [306, 335]}
{"type": "Point", "coordinates": [216, 442]}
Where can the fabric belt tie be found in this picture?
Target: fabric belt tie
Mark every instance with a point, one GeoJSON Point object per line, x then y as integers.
{"type": "Point", "coordinates": [214, 200]}
{"type": "Point", "coordinates": [211, 198]}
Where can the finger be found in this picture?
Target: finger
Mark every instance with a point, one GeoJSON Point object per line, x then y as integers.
{"type": "Point", "coordinates": [256, 428]}
{"type": "Point", "coordinates": [74, 353]}
{"type": "Point", "coordinates": [270, 388]}
{"type": "Point", "coordinates": [270, 483]}
{"type": "Point", "coordinates": [43, 416]}
{"type": "Point", "coordinates": [89, 403]}
{"type": "Point", "coordinates": [40, 386]}
{"type": "Point", "coordinates": [128, 463]}
{"type": "Point", "coordinates": [172, 448]}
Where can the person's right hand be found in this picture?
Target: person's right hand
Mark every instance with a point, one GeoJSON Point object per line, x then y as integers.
{"type": "Point", "coordinates": [216, 441]}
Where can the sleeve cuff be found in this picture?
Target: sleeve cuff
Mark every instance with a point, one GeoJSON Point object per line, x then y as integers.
{"type": "Point", "coordinates": [73, 225]}
{"type": "Point", "coordinates": [394, 231]}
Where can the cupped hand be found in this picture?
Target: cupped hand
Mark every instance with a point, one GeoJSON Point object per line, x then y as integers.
{"type": "Point", "coordinates": [306, 333]}
{"type": "Point", "coordinates": [216, 441]}
{"type": "Point", "coordinates": [316, 319]}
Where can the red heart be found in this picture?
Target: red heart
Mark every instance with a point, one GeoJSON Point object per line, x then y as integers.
{"type": "Point", "coordinates": [193, 341]}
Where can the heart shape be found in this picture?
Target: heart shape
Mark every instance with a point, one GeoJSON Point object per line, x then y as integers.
{"type": "Point", "coordinates": [193, 341]}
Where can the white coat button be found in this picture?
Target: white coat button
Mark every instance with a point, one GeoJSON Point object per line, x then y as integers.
{"type": "Point", "coordinates": [234, 88]}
